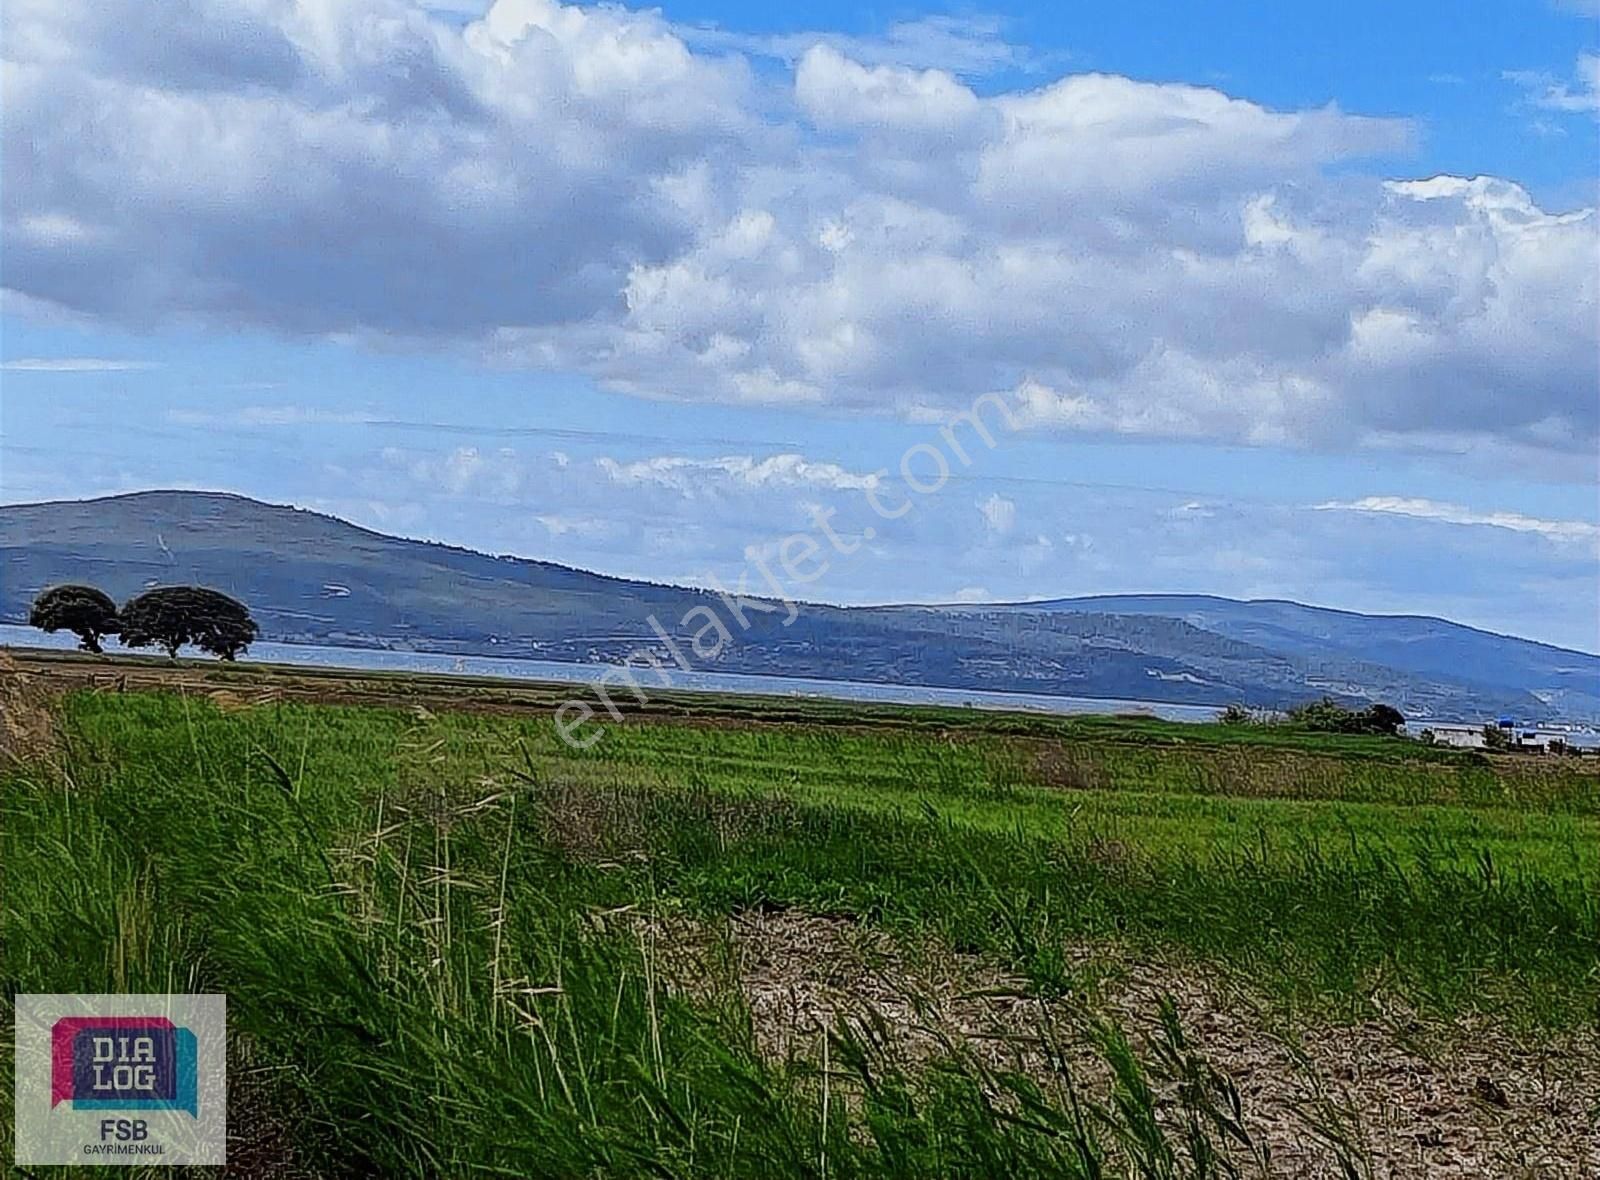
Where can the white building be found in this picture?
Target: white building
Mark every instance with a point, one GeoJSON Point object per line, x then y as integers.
{"type": "Point", "coordinates": [1518, 737]}
{"type": "Point", "coordinates": [1462, 737]}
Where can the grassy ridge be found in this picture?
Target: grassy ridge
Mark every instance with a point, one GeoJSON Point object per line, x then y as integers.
{"type": "Point", "coordinates": [1158, 802]}
{"type": "Point", "coordinates": [951, 833]}
{"type": "Point", "coordinates": [406, 914]}
{"type": "Point", "coordinates": [465, 691]}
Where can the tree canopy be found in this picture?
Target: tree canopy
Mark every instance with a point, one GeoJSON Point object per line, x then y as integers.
{"type": "Point", "coordinates": [176, 615]}
{"type": "Point", "coordinates": [1328, 716]}
{"type": "Point", "coordinates": [86, 612]}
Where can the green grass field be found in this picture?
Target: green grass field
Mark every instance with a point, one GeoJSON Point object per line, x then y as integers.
{"type": "Point", "coordinates": [446, 938]}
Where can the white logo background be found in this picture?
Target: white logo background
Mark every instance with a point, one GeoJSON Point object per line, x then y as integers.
{"type": "Point", "coordinates": [62, 1135]}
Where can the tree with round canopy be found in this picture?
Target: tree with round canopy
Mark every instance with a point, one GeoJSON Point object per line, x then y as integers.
{"type": "Point", "coordinates": [86, 612]}
{"type": "Point", "coordinates": [172, 616]}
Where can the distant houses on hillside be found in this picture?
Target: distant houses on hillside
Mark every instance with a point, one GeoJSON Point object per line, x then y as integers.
{"type": "Point", "coordinates": [1530, 739]}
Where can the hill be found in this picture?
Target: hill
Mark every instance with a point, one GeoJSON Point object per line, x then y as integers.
{"type": "Point", "coordinates": [312, 578]}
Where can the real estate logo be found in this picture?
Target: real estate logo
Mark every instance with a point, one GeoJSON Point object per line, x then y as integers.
{"type": "Point", "coordinates": [121, 1079]}
{"type": "Point", "coordinates": [123, 1063]}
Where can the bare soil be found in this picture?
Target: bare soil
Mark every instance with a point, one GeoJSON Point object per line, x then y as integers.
{"type": "Point", "coordinates": [1463, 1099]}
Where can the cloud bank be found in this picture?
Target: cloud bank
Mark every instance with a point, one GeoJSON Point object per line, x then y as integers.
{"type": "Point", "coordinates": [596, 191]}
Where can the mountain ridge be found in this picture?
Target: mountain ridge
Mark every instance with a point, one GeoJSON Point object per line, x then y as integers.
{"type": "Point", "coordinates": [1156, 596]}
{"type": "Point", "coordinates": [310, 576]}
{"type": "Point", "coordinates": [1052, 603]}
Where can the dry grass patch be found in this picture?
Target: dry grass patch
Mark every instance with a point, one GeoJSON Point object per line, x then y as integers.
{"type": "Point", "coordinates": [1415, 1100]}
{"type": "Point", "coordinates": [27, 719]}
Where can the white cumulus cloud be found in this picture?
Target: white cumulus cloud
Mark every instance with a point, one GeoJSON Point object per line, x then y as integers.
{"type": "Point", "coordinates": [999, 513]}
{"type": "Point", "coordinates": [73, 364]}
{"type": "Point", "coordinates": [1444, 513]}
{"type": "Point", "coordinates": [1580, 95]}
{"type": "Point", "coordinates": [688, 475]}
{"type": "Point", "coordinates": [597, 191]}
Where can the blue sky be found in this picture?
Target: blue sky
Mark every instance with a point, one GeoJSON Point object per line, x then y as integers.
{"type": "Point", "coordinates": [1464, 70]}
{"type": "Point", "coordinates": [1290, 301]}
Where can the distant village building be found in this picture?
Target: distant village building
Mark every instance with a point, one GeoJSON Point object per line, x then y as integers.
{"type": "Point", "coordinates": [1462, 737]}
{"type": "Point", "coordinates": [1545, 741]}
{"type": "Point", "coordinates": [1528, 738]}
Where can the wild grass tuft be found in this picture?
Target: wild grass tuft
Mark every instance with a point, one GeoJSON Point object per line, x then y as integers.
{"type": "Point", "coordinates": [409, 917]}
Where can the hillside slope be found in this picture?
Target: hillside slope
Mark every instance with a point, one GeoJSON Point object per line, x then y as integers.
{"type": "Point", "coordinates": [313, 578]}
{"type": "Point", "coordinates": [1566, 681]}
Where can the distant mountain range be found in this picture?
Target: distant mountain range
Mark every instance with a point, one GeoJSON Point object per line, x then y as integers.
{"type": "Point", "coordinates": [311, 578]}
